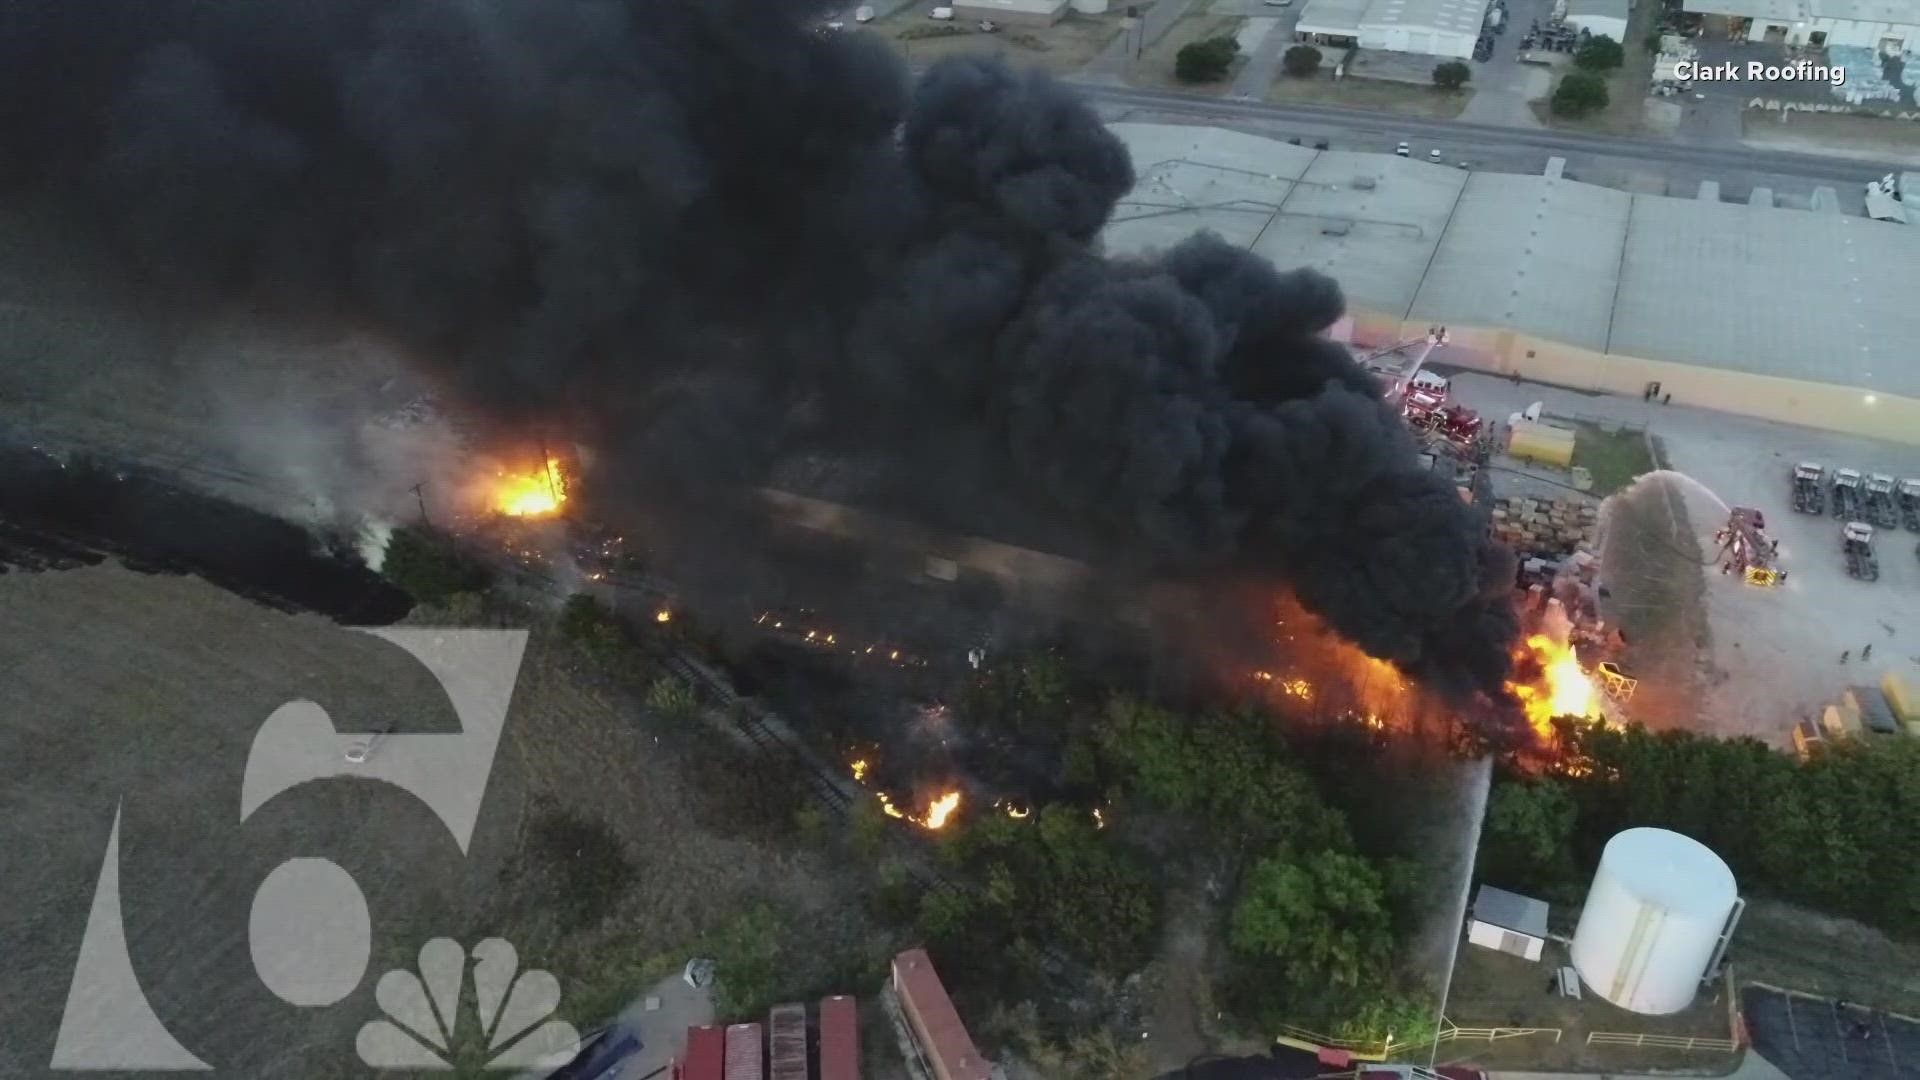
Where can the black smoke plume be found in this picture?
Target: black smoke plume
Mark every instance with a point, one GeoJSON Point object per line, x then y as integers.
{"type": "Point", "coordinates": [698, 229]}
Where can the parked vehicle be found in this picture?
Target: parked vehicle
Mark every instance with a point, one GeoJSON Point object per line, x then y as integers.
{"type": "Point", "coordinates": [944, 14]}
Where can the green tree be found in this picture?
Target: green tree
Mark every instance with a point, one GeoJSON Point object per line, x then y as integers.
{"type": "Point", "coordinates": [868, 825]}
{"type": "Point", "coordinates": [1527, 840]}
{"type": "Point", "coordinates": [1301, 61]}
{"type": "Point", "coordinates": [1651, 42]}
{"type": "Point", "coordinates": [1206, 60]}
{"type": "Point", "coordinates": [1322, 919]}
{"type": "Point", "coordinates": [747, 954]}
{"type": "Point", "coordinates": [429, 566]}
{"type": "Point", "coordinates": [1599, 53]}
{"type": "Point", "coordinates": [1451, 75]}
{"type": "Point", "coordinates": [1579, 93]}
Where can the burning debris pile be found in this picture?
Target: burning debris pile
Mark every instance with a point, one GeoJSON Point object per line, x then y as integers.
{"type": "Point", "coordinates": [697, 266]}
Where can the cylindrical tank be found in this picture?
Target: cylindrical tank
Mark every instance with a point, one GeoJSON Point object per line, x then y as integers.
{"type": "Point", "coordinates": [1653, 918]}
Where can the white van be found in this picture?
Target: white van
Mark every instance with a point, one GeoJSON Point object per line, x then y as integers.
{"type": "Point", "coordinates": [944, 14]}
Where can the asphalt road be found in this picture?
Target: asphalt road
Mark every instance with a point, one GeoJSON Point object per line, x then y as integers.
{"type": "Point", "coordinates": [1656, 154]}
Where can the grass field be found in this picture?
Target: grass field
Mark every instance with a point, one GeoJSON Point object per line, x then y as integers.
{"type": "Point", "coordinates": [1155, 66]}
{"type": "Point", "coordinates": [144, 693]}
{"type": "Point", "coordinates": [1615, 458]}
{"type": "Point", "coordinates": [1063, 48]}
{"type": "Point", "coordinates": [1379, 94]}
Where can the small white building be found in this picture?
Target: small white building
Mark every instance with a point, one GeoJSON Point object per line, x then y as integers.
{"type": "Point", "coordinates": [1600, 17]}
{"type": "Point", "coordinates": [1890, 27]}
{"type": "Point", "coordinates": [1508, 922]}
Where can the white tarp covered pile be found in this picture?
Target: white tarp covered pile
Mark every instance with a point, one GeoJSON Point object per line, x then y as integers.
{"type": "Point", "coordinates": [1866, 81]}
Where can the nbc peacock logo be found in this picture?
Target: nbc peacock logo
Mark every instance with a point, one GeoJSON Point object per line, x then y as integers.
{"type": "Point", "coordinates": [514, 1007]}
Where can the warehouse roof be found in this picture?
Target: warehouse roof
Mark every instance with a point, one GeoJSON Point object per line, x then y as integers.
{"type": "Point", "coordinates": [1458, 16]}
{"type": "Point", "coordinates": [1905, 12]}
{"type": "Point", "coordinates": [1340, 18]}
{"type": "Point", "coordinates": [1821, 297]}
{"type": "Point", "coordinates": [1609, 9]}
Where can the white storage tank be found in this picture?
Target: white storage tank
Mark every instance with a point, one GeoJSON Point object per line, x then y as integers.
{"type": "Point", "coordinates": [1659, 907]}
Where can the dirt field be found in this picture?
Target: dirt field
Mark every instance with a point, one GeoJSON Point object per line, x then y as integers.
{"type": "Point", "coordinates": [145, 693]}
{"type": "Point", "coordinates": [1063, 48]}
{"type": "Point", "coordinates": [1369, 94]}
{"type": "Point", "coordinates": [1492, 989]}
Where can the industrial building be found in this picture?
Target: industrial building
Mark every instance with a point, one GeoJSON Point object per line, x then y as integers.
{"type": "Point", "coordinates": [1437, 27]}
{"type": "Point", "coordinates": [1800, 316]}
{"type": "Point", "coordinates": [1601, 18]}
{"type": "Point", "coordinates": [1026, 12]}
{"type": "Point", "coordinates": [1508, 922]}
{"type": "Point", "coordinates": [1889, 27]}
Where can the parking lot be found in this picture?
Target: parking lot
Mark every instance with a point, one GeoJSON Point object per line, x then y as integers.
{"type": "Point", "coordinates": [1816, 1039]}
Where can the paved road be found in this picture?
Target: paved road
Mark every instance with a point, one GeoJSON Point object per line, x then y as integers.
{"type": "Point", "coordinates": [1655, 152]}
{"type": "Point", "coordinates": [1752, 1067]}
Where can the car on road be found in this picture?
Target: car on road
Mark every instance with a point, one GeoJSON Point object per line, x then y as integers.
{"type": "Point", "coordinates": [1404, 150]}
{"type": "Point", "coordinates": [1277, 3]}
{"type": "Point", "coordinates": [1434, 155]}
{"type": "Point", "coordinates": [361, 750]}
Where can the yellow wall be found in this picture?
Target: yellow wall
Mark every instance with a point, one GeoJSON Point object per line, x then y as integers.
{"type": "Point", "coordinates": [1792, 401]}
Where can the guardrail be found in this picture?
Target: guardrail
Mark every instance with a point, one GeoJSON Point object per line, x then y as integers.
{"type": "Point", "coordinates": [1494, 1034]}
{"type": "Point", "coordinates": [1660, 1042]}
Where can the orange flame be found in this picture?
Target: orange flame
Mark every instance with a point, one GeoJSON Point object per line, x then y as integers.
{"type": "Point", "coordinates": [1563, 687]}
{"type": "Point", "coordinates": [536, 494]}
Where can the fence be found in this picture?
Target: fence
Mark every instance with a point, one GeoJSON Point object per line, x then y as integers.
{"type": "Point", "coordinates": [1660, 1042]}
{"type": "Point", "coordinates": [1493, 1034]}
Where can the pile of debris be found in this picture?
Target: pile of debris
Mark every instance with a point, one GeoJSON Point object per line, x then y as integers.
{"type": "Point", "coordinates": [1547, 528]}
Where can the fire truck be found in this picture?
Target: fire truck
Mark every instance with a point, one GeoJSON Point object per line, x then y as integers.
{"type": "Point", "coordinates": [1746, 550]}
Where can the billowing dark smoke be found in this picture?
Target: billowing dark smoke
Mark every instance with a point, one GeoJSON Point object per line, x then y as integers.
{"type": "Point", "coordinates": [695, 229]}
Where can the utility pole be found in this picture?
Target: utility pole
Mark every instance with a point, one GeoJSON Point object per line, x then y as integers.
{"type": "Point", "coordinates": [421, 498]}
{"type": "Point", "coordinates": [546, 467]}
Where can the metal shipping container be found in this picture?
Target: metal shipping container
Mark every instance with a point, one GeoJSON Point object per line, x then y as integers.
{"type": "Point", "coordinates": [839, 1039]}
{"type": "Point", "coordinates": [787, 1042]}
{"type": "Point", "coordinates": [706, 1054]}
{"type": "Point", "coordinates": [745, 1057]}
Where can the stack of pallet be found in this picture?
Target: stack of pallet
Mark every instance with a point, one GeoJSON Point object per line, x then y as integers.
{"type": "Point", "coordinates": [1549, 528]}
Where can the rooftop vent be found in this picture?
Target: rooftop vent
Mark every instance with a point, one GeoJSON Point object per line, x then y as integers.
{"type": "Point", "coordinates": [1336, 228]}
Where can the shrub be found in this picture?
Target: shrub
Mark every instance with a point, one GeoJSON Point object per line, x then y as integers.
{"type": "Point", "coordinates": [1600, 53]}
{"type": "Point", "coordinates": [582, 863]}
{"type": "Point", "coordinates": [1451, 75]}
{"type": "Point", "coordinates": [671, 699]}
{"type": "Point", "coordinates": [1301, 61]}
{"type": "Point", "coordinates": [1578, 94]}
{"type": "Point", "coordinates": [1205, 61]}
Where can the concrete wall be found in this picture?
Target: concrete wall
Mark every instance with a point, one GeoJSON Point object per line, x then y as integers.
{"type": "Point", "coordinates": [1791, 401]}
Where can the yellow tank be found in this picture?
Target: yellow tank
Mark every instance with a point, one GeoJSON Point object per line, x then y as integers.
{"type": "Point", "coordinates": [1531, 441]}
{"type": "Point", "coordinates": [1902, 698]}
